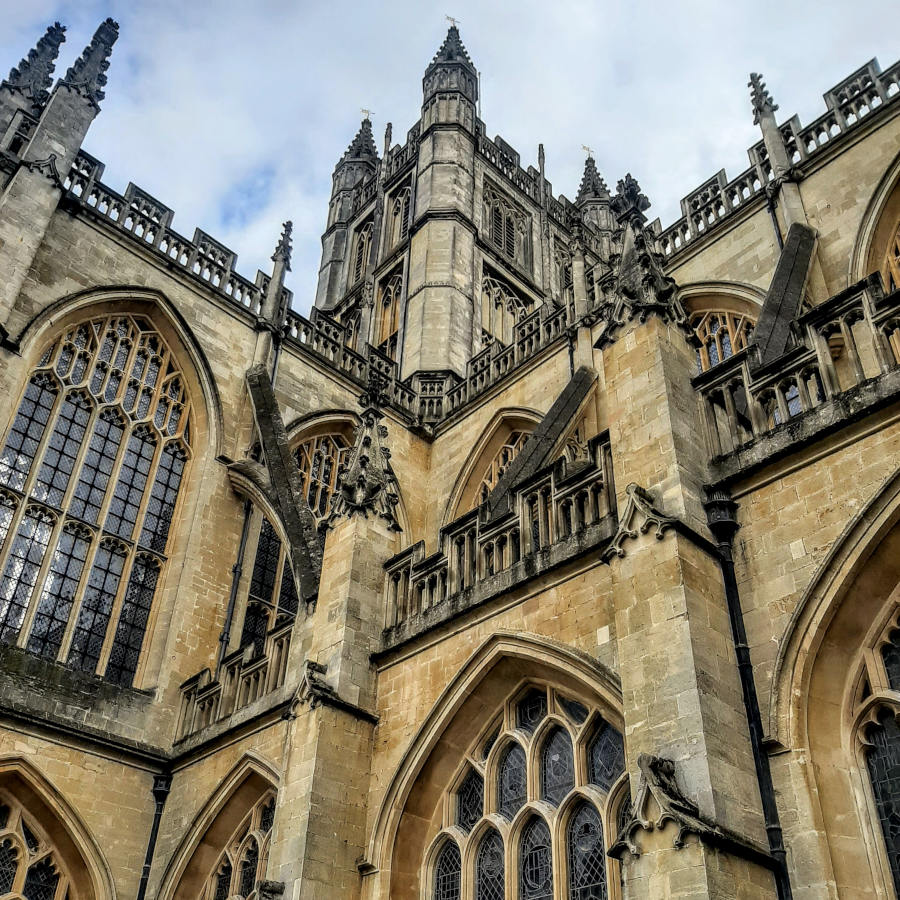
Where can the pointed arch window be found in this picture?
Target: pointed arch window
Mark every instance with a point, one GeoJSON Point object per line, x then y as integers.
{"type": "Point", "coordinates": [489, 868]}
{"type": "Point", "coordinates": [92, 465]}
{"type": "Point", "coordinates": [320, 459]}
{"type": "Point", "coordinates": [494, 470]}
{"type": "Point", "coordinates": [447, 873]}
{"type": "Point", "coordinates": [502, 307]}
{"type": "Point", "coordinates": [388, 314]}
{"type": "Point", "coordinates": [586, 855]}
{"type": "Point", "coordinates": [557, 766]}
{"type": "Point", "coordinates": [361, 250]}
{"type": "Point", "coordinates": [400, 215]}
{"type": "Point", "coordinates": [721, 333]}
{"type": "Point", "coordinates": [535, 862]}
{"type": "Point", "coordinates": [883, 761]}
{"type": "Point", "coordinates": [507, 227]}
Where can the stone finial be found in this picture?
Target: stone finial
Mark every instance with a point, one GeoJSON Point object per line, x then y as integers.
{"type": "Point", "coordinates": [87, 74]}
{"type": "Point", "coordinates": [629, 203]}
{"type": "Point", "coordinates": [452, 51]}
{"type": "Point", "coordinates": [363, 145]}
{"type": "Point", "coordinates": [283, 249]}
{"type": "Point", "coordinates": [760, 98]}
{"type": "Point", "coordinates": [592, 187]}
{"type": "Point", "coordinates": [34, 74]}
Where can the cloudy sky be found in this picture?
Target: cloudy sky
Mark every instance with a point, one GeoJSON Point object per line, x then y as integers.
{"type": "Point", "coordinates": [233, 113]}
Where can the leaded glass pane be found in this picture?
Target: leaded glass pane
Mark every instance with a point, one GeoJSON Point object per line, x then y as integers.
{"type": "Point", "coordinates": [606, 757]}
{"type": "Point", "coordinates": [163, 494]}
{"type": "Point", "coordinates": [265, 566]}
{"type": "Point", "coordinates": [576, 711]}
{"type": "Point", "coordinates": [20, 574]}
{"type": "Point", "coordinates": [223, 882]}
{"type": "Point", "coordinates": [7, 510]}
{"type": "Point", "coordinates": [256, 624]}
{"type": "Point", "coordinates": [531, 709]}
{"type": "Point", "coordinates": [27, 429]}
{"type": "Point", "coordinates": [249, 862]}
{"type": "Point", "coordinates": [287, 593]}
{"type": "Point", "coordinates": [58, 595]}
{"type": "Point", "coordinates": [884, 769]}
{"type": "Point", "coordinates": [9, 864]}
{"type": "Point", "coordinates": [267, 816]}
{"type": "Point", "coordinates": [41, 881]}
{"type": "Point", "coordinates": [511, 782]}
{"type": "Point", "coordinates": [535, 862]}
{"type": "Point", "coordinates": [557, 766]}
{"type": "Point", "coordinates": [489, 743]}
{"type": "Point", "coordinates": [129, 490]}
{"type": "Point", "coordinates": [470, 800]}
{"type": "Point", "coordinates": [489, 868]}
{"type": "Point", "coordinates": [62, 450]}
{"type": "Point", "coordinates": [586, 855]}
{"type": "Point", "coordinates": [447, 873]}
{"type": "Point", "coordinates": [96, 468]}
{"type": "Point", "coordinates": [126, 648]}
{"type": "Point", "coordinates": [890, 653]}
{"type": "Point", "coordinates": [99, 595]}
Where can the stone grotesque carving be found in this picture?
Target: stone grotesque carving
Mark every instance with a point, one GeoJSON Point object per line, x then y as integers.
{"type": "Point", "coordinates": [313, 688]}
{"type": "Point", "coordinates": [87, 74]}
{"type": "Point", "coordinates": [270, 890]}
{"type": "Point", "coordinates": [366, 481]}
{"type": "Point", "coordinates": [640, 504]}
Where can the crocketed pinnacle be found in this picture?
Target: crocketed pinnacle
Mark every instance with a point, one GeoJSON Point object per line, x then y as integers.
{"type": "Point", "coordinates": [452, 51]}
{"type": "Point", "coordinates": [593, 187]}
{"type": "Point", "coordinates": [88, 73]}
{"type": "Point", "coordinates": [363, 145]}
{"type": "Point", "coordinates": [760, 98]}
{"type": "Point", "coordinates": [34, 74]}
{"type": "Point", "coordinates": [283, 249]}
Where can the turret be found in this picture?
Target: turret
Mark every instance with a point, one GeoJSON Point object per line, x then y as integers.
{"type": "Point", "coordinates": [593, 197]}
{"type": "Point", "coordinates": [357, 165]}
{"type": "Point", "coordinates": [450, 85]}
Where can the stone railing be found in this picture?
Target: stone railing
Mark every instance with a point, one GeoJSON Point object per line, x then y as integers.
{"type": "Point", "coordinates": [562, 504]}
{"type": "Point", "coordinates": [848, 103]}
{"type": "Point", "coordinates": [246, 675]}
{"type": "Point", "coordinates": [506, 161]}
{"type": "Point", "coordinates": [399, 157]}
{"type": "Point", "coordinates": [841, 344]}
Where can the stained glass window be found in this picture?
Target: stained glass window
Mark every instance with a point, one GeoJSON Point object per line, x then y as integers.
{"type": "Point", "coordinates": [256, 624]}
{"type": "Point", "coordinates": [585, 855]}
{"type": "Point", "coordinates": [489, 868]}
{"type": "Point", "coordinates": [721, 334]}
{"type": "Point", "coordinates": [223, 881]}
{"type": "Point", "coordinates": [249, 862]}
{"type": "Point", "coordinates": [29, 865]}
{"type": "Point", "coordinates": [883, 761]}
{"type": "Point", "coordinates": [535, 862]}
{"type": "Point", "coordinates": [41, 881]}
{"type": "Point", "coordinates": [531, 709]}
{"type": "Point", "coordinates": [557, 766]}
{"type": "Point", "coordinates": [469, 800]}
{"type": "Point", "coordinates": [79, 464]}
{"type": "Point", "coordinates": [576, 711]}
{"type": "Point", "coordinates": [447, 873]}
{"type": "Point", "coordinates": [511, 781]}
{"type": "Point", "coordinates": [890, 655]}
{"type": "Point", "coordinates": [606, 757]}
{"type": "Point", "coordinates": [9, 865]}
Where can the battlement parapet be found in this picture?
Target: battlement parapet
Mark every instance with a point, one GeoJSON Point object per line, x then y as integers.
{"type": "Point", "coordinates": [848, 103]}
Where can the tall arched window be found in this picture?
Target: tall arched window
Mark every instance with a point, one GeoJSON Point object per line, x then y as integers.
{"type": "Point", "coordinates": [242, 864]}
{"type": "Point", "coordinates": [90, 473]}
{"type": "Point", "coordinates": [494, 470]}
{"type": "Point", "coordinates": [501, 308]}
{"type": "Point", "coordinates": [387, 321]}
{"type": "Point", "coordinates": [447, 873]}
{"type": "Point", "coordinates": [552, 769]}
{"type": "Point", "coordinates": [400, 215]}
{"type": "Point", "coordinates": [363, 243]}
{"type": "Point", "coordinates": [722, 333]}
{"type": "Point", "coordinates": [507, 227]}
{"type": "Point", "coordinates": [319, 460]}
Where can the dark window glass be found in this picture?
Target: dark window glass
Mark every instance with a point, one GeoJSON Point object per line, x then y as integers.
{"type": "Point", "coordinates": [489, 868]}
{"type": "Point", "coordinates": [535, 865]}
{"type": "Point", "coordinates": [447, 873]}
{"type": "Point", "coordinates": [31, 841]}
{"type": "Point", "coordinates": [256, 624]}
{"type": "Point", "coordinates": [20, 574]}
{"type": "Point", "coordinates": [586, 855]}
{"type": "Point", "coordinates": [884, 769]}
{"type": "Point", "coordinates": [62, 450]}
{"type": "Point", "coordinates": [531, 709]}
{"type": "Point", "coordinates": [58, 595]}
{"type": "Point", "coordinates": [287, 593]}
{"type": "Point", "coordinates": [576, 711]}
{"type": "Point", "coordinates": [96, 607]}
{"type": "Point", "coordinates": [265, 566]}
{"type": "Point", "coordinates": [511, 784]}
{"type": "Point", "coordinates": [557, 766]}
{"type": "Point", "coordinates": [606, 757]}
{"type": "Point", "coordinates": [469, 800]}
{"type": "Point", "coordinates": [41, 881]}
{"type": "Point", "coordinates": [126, 648]}
{"type": "Point", "coordinates": [126, 500]}
{"type": "Point", "coordinates": [489, 743]}
{"type": "Point", "coordinates": [248, 869]}
{"type": "Point", "coordinates": [223, 882]}
{"type": "Point", "coordinates": [27, 430]}
{"type": "Point", "coordinates": [163, 494]}
{"type": "Point", "coordinates": [267, 816]}
{"type": "Point", "coordinates": [9, 864]}
{"type": "Point", "coordinates": [95, 470]}
{"type": "Point", "coordinates": [890, 654]}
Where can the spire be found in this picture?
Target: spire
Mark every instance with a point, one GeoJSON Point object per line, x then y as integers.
{"type": "Point", "coordinates": [87, 75]}
{"type": "Point", "coordinates": [760, 98]}
{"type": "Point", "coordinates": [452, 51]}
{"type": "Point", "coordinates": [34, 74]}
{"type": "Point", "coordinates": [593, 187]}
{"type": "Point", "coordinates": [451, 70]}
{"type": "Point", "coordinates": [363, 145]}
{"type": "Point", "coordinates": [283, 249]}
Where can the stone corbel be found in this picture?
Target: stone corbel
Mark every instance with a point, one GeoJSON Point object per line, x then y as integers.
{"type": "Point", "coordinates": [639, 506]}
{"type": "Point", "coordinates": [45, 167]}
{"type": "Point", "coordinates": [269, 890]}
{"type": "Point", "coordinates": [315, 691]}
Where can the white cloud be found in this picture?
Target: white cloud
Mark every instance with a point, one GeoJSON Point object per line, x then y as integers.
{"type": "Point", "coordinates": [207, 100]}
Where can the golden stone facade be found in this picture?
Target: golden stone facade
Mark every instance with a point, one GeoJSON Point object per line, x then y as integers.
{"type": "Point", "coordinates": [555, 555]}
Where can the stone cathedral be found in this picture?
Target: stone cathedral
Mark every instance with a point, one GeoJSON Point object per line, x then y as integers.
{"type": "Point", "coordinates": [555, 556]}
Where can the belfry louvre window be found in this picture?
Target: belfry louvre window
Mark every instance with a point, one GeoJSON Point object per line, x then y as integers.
{"type": "Point", "coordinates": [30, 866]}
{"type": "Point", "coordinates": [243, 861]}
{"type": "Point", "coordinates": [553, 771]}
{"type": "Point", "coordinates": [361, 252]}
{"type": "Point", "coordinates": [400, 215]}
{"type": "Point", "coordinates": [722, 334]}
{"type": "Point", "coordinates": [506, 226]}
{"type": "Point", "coordinates": [90, 473]}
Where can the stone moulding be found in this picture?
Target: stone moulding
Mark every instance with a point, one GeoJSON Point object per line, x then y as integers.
{"type": "Point", "coordinates": [641, 504]}
{"type": "Point", "coordinates": [315, 690]}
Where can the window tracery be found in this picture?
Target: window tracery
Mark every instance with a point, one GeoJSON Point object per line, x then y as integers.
{"type": "Point", "coordinates": [92, 467]}
{"type": "Point", "coordinates": [30, 865]}
{"type": "Point", "coordinates": [361, 252]}
{"type": "Point", "coordinates": [890, 268]}
{"type": "Point", "coordinates": [494, 470]}
{"type": "Point", "coordinates": [557, 816]}
{"type": "Point", "coordinates": [447, 873]}
{"type": "Point", "coordinates": [400, 215]}
{"type": "Point", "coordinates": [507, 227]}
{"type": "Point", "coordinates": [388, 315]}
{"type": "Point", "coordinates": [722, 333]}
{"type": "Point", "coordinates": [319, 460]}
{"type": "Point", "coordinates": [501, 309]}
{"type": "Point", "coordinates": [242, 864]}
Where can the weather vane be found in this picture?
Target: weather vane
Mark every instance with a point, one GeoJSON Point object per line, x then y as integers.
{"type": "Point", "coordinates": [452, 21]}
{"type": "Point", "coordinates": [366, 112]}
{"type": "Point", "coordinates": [587, 149]}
